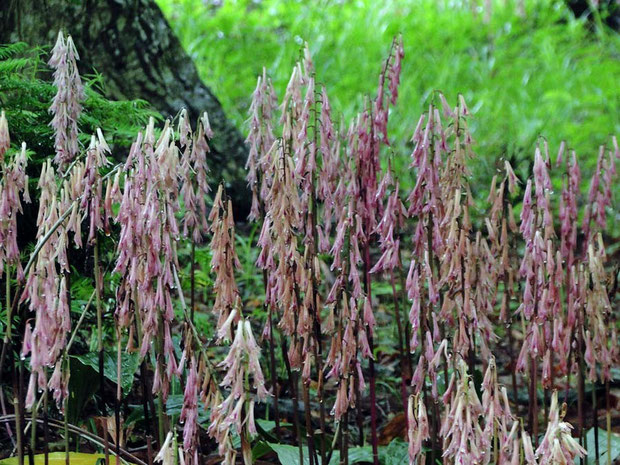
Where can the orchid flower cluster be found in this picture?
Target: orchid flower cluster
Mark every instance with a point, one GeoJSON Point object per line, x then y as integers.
{"type": "Point", "coordinates": [324, 190]}
{"type": "Point", "coordinates": [334, 216]}
{"type": "Point", "coordinates": [13, 188]}
{"type": "Point", "coordinates": [66, 106]}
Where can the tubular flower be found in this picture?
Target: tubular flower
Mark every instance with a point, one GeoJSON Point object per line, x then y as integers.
{"type": "Point", "coordinates": [66, 106]}
{"type": "Point", "coordinates": [558, 447]}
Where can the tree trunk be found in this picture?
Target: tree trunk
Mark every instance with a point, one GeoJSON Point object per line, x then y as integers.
{"type": "Point", "coordinates": [132, 45]}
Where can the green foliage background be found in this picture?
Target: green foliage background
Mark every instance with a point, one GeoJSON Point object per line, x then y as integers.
{"type": "Point", "coordinates": [543, 74]}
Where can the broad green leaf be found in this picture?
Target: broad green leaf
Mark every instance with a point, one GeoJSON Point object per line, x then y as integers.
{"type": "Point", "coordinates": [83, 383]}
{"type": "Point", "coordinates": [602, 446]}
{"type": "Point", "coordinates": [129, 366]}
{"type": "Point", "coordinates": [289, 455]}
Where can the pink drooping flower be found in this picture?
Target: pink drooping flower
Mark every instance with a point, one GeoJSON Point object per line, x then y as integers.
{"type": "Point", "coordinates": [224, 262]}
{"type": "Point", "coordinates": [260, 140]}
{"type": "Point", "coordinates": [460, 430]}
{"type": "Point", "coordinates": [189, 415]}
{"type": "Point", "coordinates": [417, 430]}
{"type": "Point", "coordinates": [193, 171]}
{"type": "Point", "coordinates": [147, 245]}
{"type": "Point", "coordinates": [13, 189]}
{"type": "Point", "coordinates": [46, 290]}
{"type": "Point", "coordinates": [66, 106]}
{"type": "Point", "coordinates": [92, 185]}
{"type": "Point", "coordinates": [558, 445]}
{"type": "Point", "coordinates": [5, 140]}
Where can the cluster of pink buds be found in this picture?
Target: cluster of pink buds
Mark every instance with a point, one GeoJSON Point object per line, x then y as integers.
{"type": "Point", "coordinates": [260, 140]}
{"type": "Point", "coordinates": [463, 441]}
{"type": "Point", "coordinates": [193, 170]}
{"type": "Point", "coordinates": [227, 305]}
{"type": "Point", "coordinates": [46, 291]}
{"type": "Point", "coordinates": [391, 223]}
{"type": "Point", "coordinates": [600, 194]}
{"type": "Point", "coordinates": [189, 414]}
{"type": "Point", "coordinates": [92, 185]}
{"type": "Point", "coordinates": [237, 410]}
{"type": "Point", "coordinates": [14, 183]}
{"type": "Point", "coordinates": [147, 245]}
{"type": "Point", "coordinates": [558, 446]}
{"type": "Point", "coordinates": [66, 106]}
{"type": "Point", "coordinates": [417, 429]}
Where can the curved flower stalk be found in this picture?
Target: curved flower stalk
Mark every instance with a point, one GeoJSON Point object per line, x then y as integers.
{"type": "Point", "coordinates": [558, 447]}
{"type": "Point", "coordinates": [66, 106]}
{"type": "Point", "coordinates": [390, 73]}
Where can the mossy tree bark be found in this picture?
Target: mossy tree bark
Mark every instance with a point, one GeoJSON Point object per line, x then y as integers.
{"type": "Point", "coordinates": [132, 45]}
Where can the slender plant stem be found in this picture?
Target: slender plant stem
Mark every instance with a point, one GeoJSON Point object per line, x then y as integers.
{"type": "Point", "coordinates": [293, 391]}
{"type": "Point", "coordinates": [33, 432]}
{"type": "Point", "coordinates": [274, 375]}
{"type": "Point", "coordinates": [344, 451]}
{"type": "Point", "coordinates": [272, 363]}
{"type": "Point", "coordinates": [99, 324]}
{"type": "Point", "coordinates": [46, 438]}
{"type": "Point", "coordinates": [192, 279]}
{"type": "Point", "coordinates": [371, 343]}
{"type": "Point", "coordinates": [117, 406]}
{"type": "Point", "coordinates": [534, 400]}
{"type": "Point", "coordinates": [309, 435]}
{"type": "Point", "coordinates": [595, 423]}
{"type": "Point", "coordinates": [580, 390]}
{"type": "Point", "coordinates": [399, 327]}
{"type": "Point", "coordinates": [608, 420]}
{"type": "Point", "coordinates": [19, 431]}
{"type": "Point", "coordinates": [66, 429]}
{"type": "Point", "coordinates": [149, 449]}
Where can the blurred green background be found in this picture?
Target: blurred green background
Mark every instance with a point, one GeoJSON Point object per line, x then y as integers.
{"type": "Point", "coordinates": [543, 72]}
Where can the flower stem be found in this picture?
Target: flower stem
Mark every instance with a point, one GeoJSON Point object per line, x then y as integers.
{"type": "Point", "coordinates": [595, 423]}
{"type": "Point", "coordinates": [399, 327]}
{"type": "Point", "coordinates": [99, 325]}
{"type": "Point", "coordinates": [371, 343]}
{"type": "Point", "coordinates": [608, 418]}
{"type": "Point", "coordinates": [192, 278]}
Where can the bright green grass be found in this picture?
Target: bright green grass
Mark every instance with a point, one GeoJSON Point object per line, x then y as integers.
{"type": "Point", "coordinates": [545, 75]}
